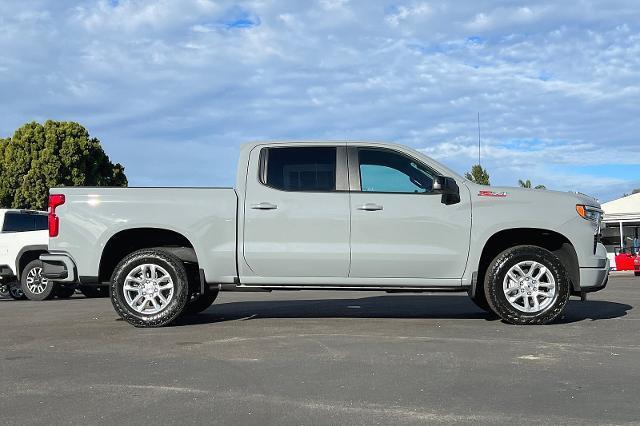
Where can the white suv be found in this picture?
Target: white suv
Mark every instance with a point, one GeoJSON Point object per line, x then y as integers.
{"type": "Point", "coordinates": [23, 238]}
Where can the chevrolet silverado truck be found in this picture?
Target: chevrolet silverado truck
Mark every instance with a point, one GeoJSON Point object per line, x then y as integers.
{"type": "Point", "coordinates": [329, 216]}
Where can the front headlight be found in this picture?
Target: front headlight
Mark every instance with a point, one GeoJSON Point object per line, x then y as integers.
{"type": "Point", "coordinates": [591, 213]}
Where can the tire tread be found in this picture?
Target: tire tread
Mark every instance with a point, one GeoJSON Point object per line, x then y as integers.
{"type": "Point", "coordinates": [493, 285]}
{"type": "Point", "coordinates": [181, 292]}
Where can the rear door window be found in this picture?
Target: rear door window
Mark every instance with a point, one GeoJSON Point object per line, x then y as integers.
{"type": "Point", "coordinates": [300, 169]}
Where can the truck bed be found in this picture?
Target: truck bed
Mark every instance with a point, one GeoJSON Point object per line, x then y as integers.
{"type": "Point", "coordinates": [92, 216]}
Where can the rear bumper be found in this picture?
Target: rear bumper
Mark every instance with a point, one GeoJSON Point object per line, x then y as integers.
{"type": "Point", "coordinates": [59, 267]}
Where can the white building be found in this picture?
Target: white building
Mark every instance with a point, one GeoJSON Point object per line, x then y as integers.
{"type": "Point", "coordinates": [622, 220]}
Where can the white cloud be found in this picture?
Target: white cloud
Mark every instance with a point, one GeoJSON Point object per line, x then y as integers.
{"type": "Point", "coordinates": [134, 15]}
{"type": "Point", "coordinates": [404, 13]}
{"type": "Point", "coordinates": [193, 79]}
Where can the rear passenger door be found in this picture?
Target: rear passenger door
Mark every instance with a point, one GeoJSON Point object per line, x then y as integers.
{"type": "Point", "coordinates": [296, 212]}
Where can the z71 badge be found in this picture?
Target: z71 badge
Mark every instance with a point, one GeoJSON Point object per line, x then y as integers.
{"type": "Point", "coordinates": [491, 194]}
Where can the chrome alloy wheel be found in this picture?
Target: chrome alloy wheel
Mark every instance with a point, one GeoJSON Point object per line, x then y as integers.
{"type": "Point", "coordinates": [36, 283]}
{"type": "Point", "coordinates": [529, 287]}
{"type": "Point", "coordinates": [148, 289]}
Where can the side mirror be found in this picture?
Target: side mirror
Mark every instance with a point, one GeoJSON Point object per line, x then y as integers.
{"type": "Point", "coordinates": [448, 188]}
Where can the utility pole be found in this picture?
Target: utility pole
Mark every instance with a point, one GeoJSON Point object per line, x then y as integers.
{"type": "Point", "coordinates": [479, 138]}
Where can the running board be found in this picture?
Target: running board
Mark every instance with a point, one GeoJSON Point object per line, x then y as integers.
{"type": "Point", "coordinates": [395, 289]}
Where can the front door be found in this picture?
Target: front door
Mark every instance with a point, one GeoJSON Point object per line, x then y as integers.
{"type": "Point", "coordinates": [399, 227]}
{"type": "Point", "coordinates": [296, 221]}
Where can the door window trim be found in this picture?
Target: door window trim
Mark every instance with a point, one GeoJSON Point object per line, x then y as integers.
{"type": "Point", "coordinates": [342, 174]}
{"type": "Point", "coordinates": [353, 165]}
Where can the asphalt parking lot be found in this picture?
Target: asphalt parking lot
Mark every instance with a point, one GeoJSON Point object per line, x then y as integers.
{"type": "Point", "coordinates": [322, 358]}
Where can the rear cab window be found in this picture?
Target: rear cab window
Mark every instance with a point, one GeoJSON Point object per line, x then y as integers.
{"type": "Point", "coordinates": [24, 222]}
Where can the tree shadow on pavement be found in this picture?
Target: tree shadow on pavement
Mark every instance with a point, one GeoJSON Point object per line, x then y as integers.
{"type": "Point", "coordinates": [391, 306]}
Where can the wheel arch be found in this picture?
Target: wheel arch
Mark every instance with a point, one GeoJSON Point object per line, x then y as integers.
{"type": "Point", "coordinates": [27, 254]}
{"type": "Point", "coordinates": [129, 240]}
{"type": "Point", "coordinates": [553, 241]}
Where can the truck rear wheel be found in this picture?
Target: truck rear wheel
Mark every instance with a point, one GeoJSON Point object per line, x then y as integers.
{"type": "Point", "coordinates": [150, 288]}
{"type": "Point", "coordinates": [34, 285]}
{"type": "Point", "coordinates": [527, 285]}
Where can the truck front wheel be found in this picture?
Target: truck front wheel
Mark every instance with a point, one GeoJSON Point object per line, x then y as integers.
{"type": "Point", "coordinates": [149, 288]}
{"type": "Point", "coordinates": [527, 285]}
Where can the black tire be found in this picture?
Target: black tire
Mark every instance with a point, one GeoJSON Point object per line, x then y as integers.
{"type": "Point", "coordinates": [497, 299]}
{"type": "Point", "coordinates": [201, 303]}
{"type": "Point", "coordinates": [65, 291]}
{"type": "Point", "coordinates": [93, 292]}
{"type": "Point", "coordinates": [636, 273]}
{"type": "Point", "coordinates": [41, 288]}
{"type": "Point", "coordinates": [175, 306]}
{"type": "Point", "coordinates": [15, 291]}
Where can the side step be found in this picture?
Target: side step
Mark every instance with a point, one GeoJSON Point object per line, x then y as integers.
{"type": "Point", "coordinates": [236, 287]}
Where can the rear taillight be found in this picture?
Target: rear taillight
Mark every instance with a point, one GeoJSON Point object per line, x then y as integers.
{"type": "Point", "coordinates": [55, 200]}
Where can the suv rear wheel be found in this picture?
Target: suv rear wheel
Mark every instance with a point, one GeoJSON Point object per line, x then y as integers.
{"type": "Point", "coordinates": [150, 288]}
{"type": "Point", "coordinates": [34, 285]}
{"type": "Point", "coordinates": [527, 285]}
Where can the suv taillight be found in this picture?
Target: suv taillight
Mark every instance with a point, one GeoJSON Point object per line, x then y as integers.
{"type": "Point", "coordinates": [55, 200]}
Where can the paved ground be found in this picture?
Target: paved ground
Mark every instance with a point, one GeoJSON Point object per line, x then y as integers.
{"type": "Point", "coordinates": [322, 358]}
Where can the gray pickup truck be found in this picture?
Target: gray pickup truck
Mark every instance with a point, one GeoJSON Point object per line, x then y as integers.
{"type": "Point", "coordinates": [328, 215]}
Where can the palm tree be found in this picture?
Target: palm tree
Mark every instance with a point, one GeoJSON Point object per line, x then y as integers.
{"type": "Point", "coordinates": [527, 184]}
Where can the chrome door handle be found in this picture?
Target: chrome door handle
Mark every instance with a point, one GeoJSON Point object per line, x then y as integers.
{"type": "Point", "coordinates": [264, 206]}
{"type": "Point", "coordinates": [370, 207]}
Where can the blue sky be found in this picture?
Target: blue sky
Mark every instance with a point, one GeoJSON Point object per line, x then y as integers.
{"type": "Point", "coordinates": [173, 87]}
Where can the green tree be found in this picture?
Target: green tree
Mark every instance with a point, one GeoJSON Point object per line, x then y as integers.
{"type": "Point", "coordinates": [58, 153]}
{"type": "Point", "coordinates": [478, 175]}
{"type": "Point", "coordinates": [527, 184]}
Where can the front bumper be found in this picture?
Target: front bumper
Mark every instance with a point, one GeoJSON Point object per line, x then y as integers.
{"type": "Point", "coordinates": [595, 278]}
{"type": "Point", "coordinates": [59, 268]}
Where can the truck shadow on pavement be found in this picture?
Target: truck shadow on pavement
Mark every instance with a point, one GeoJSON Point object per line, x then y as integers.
{"type": "Point", "coordinates": [419, 307]}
